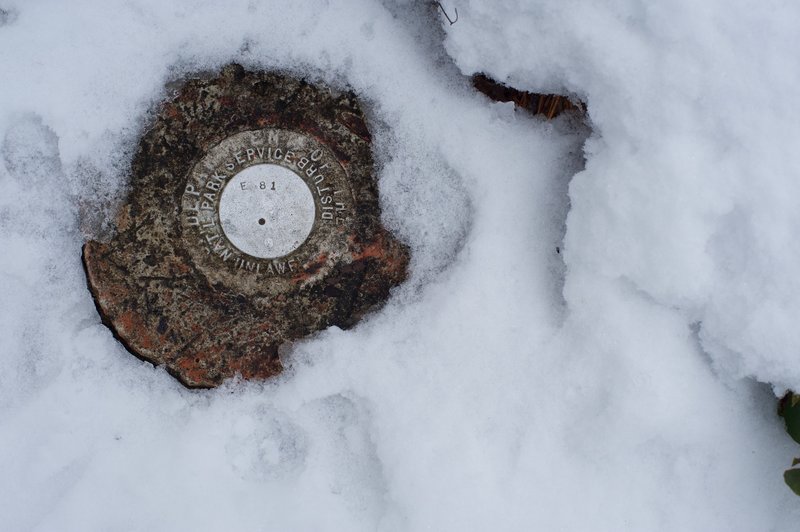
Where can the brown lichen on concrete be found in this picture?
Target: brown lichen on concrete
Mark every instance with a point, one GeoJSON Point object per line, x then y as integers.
{"type": "Point", "coordinates": [181, 297]}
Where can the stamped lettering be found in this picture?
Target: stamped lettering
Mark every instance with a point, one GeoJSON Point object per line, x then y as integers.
{"type": "Point", "coordinates": [266, 202]}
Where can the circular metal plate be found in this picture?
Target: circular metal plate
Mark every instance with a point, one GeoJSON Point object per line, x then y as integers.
{"type": "Point", "coordinates": [306, 218]}
{"type": "Point", "coordinates": [266, 211]}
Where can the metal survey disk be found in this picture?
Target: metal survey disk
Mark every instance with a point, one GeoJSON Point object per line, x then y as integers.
{"type": "Point", "coordinates": [253, 220]}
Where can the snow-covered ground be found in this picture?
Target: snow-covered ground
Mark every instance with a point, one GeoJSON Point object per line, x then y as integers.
{"type": "Point", "coordinates": [627, 383]}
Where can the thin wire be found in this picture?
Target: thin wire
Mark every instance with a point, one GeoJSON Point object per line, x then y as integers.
{"type": "Point", "coordinates": [451, 21]}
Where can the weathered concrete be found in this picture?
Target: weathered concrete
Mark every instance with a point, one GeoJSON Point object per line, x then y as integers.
{"type": "Point", "coordinates": [173, 286]}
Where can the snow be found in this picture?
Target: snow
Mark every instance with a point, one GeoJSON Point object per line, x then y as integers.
{"type": "Point", "coordinates": [626, 383]}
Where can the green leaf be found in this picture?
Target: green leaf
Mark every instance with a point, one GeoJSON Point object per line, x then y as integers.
{"type": "Point", "coordinates": [795, 462]}
{"type": "Point", "coordinates": [792, 479]}
{"type": "Point", "coordinates": [790, 411]}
